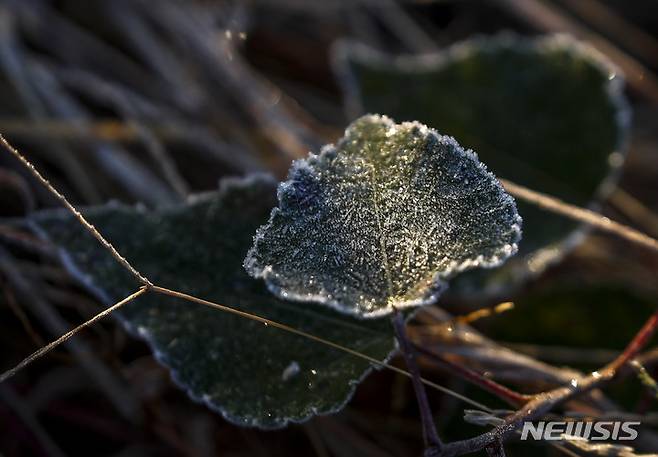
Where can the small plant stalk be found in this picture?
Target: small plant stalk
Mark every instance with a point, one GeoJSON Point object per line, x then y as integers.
{"type": "Point", "coordinates": [433, 444]}
{"type": "Point", "coordinates": [502, 392]}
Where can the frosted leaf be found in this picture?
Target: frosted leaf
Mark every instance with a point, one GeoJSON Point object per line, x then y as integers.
{"type": "Point", "coordinates": [254, 375]}
{"type": "Point", "coordinates": [378, 221]}
{"type": "Point", "coordinates": [548, 113]}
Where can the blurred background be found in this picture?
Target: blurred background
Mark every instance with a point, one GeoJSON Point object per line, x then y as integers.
{"type": "Point", "coordinates": [149, 101]}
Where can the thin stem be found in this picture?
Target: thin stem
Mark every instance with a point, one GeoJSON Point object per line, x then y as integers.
{"type": "Point", "coordinates": [580, 214]}
{"type": "Point", "coordinates": [638, 342]}
{"type": "Point", "coordinates": [430, 436]}
{"type": "Point", "coordinates": [52, 345]}
{"type": "Point", "coordinates": [502, 392]}
{"type": "Point", "coordinates": [271, 323]}
{"type": "Point", "coordinates": [172, 293]}
{"type": "Point", "coordinates": [90, 228]}
{"type": "Point", "coordinates": [544, 402]}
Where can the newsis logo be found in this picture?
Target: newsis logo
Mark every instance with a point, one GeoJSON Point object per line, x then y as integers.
{"type": "Point", "coordinates": [594, 431]}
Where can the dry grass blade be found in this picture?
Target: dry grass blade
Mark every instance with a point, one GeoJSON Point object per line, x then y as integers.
{"type": "Point", "coordinates": [52, 345]}
{"type": "Point", "coordinates": [580, 214]}
{"type": "Point", "coordinates": [264, 321]}
{"type": "Point", "coordinates": [52, 321]}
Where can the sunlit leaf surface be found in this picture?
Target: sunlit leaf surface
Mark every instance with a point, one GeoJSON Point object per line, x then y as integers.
{"type": "Point", "coordinates": [377, 221]}
{"type": "Point", "coordinates": [547, 113]}
{"type": "Point", "coordinates": [253, 374]}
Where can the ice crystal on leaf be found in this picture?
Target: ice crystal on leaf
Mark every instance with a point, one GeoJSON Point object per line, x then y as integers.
{"type": "Point", "coordinates": [381, 219]}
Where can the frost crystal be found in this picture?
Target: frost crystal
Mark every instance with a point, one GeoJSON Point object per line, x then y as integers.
{"type": "Point", "coordinates": [379, 220]}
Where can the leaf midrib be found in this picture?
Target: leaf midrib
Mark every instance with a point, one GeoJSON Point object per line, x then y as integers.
{"type": "Point", "coordinates": [381, 234]}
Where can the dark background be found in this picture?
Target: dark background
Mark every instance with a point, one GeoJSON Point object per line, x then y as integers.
{"type": "Point", "coordinates": [124, 100]}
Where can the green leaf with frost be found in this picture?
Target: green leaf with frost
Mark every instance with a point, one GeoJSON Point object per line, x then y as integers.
{"type": "Point", "coordinates": [253, 374]}
{"type": "Point", "coordinates": [547, 113]}
{"type": "Point", "coordinates": [380, 220]}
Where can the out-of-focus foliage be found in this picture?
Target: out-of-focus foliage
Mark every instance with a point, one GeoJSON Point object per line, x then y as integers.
{"type": "Point", "coordinates": [576, 316]}
{"type": "Point", "coordinates": [253, 374]}
{"type": "Point", "coordinates": [547, 113]}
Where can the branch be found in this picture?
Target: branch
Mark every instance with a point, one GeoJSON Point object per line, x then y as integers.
{"type": "Point", "coordinates": [544, 402]}
{"type": "Point", "coordinates": [430, 437]}
{"type": "Point", "coordinates": [491, 386]}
